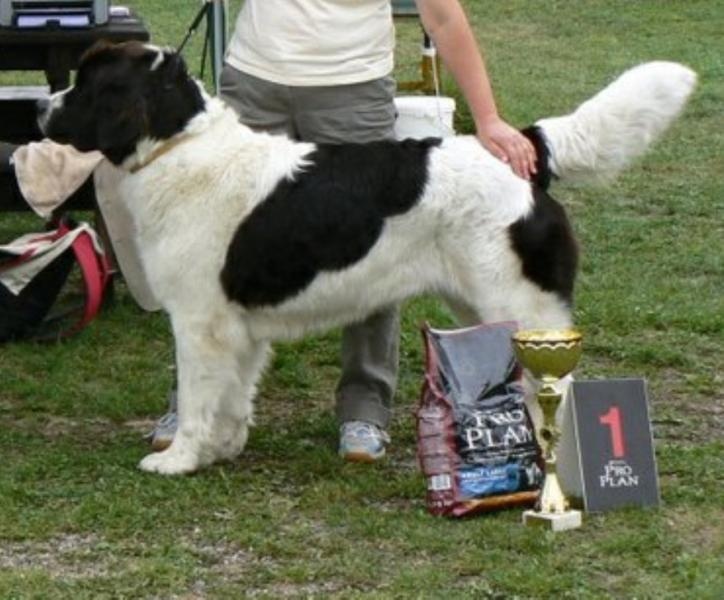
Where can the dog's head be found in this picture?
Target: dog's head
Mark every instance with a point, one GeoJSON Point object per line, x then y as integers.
{"type": "Point", "coordinates": [123, 94]}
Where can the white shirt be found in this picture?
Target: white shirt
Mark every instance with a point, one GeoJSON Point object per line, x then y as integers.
{"type": "Point", "coordinates": [314, 42]}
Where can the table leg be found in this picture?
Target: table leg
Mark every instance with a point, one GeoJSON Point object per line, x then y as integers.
{"type": "Point", "coordinates": [59, 64]}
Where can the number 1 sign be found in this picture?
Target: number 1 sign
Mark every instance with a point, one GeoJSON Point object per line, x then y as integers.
{"type": "Point", "coordinates": [614, 444]}
{"type": "Point", "coordinates": [613, 419]}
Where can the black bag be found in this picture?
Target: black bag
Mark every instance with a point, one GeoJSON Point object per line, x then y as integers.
{"type": "Point", "coordinates": [34, 269]}
{"type": "Point", "coordinates": [476, 441]}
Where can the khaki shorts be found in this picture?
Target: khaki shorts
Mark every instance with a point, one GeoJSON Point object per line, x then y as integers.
{"type": "Point", "coordinates": [360, 112]}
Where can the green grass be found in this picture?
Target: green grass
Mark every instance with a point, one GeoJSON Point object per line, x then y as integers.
{"type": "Point", "coordinates": [288, 518]}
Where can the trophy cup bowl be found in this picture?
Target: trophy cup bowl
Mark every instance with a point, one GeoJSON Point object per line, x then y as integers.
{"type": "Point", "coordinates": [550, 354]}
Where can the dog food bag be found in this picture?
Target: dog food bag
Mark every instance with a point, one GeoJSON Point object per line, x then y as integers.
{"type": "Point", "coordinates": [476, 441]}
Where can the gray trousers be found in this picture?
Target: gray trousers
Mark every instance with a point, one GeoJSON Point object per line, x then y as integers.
{"type": "Point", "coordinates": [362, 112]}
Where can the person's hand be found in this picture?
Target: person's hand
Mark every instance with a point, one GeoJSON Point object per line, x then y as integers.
{"type": "Point", "coordinates": [509, 145]}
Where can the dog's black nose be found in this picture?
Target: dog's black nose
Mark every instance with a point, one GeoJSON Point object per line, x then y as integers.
{"type": "Point", "coordinates": [42, 106]}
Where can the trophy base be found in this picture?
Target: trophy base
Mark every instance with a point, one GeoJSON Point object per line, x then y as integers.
{"type": "Point", "coordinates": [570, 519]}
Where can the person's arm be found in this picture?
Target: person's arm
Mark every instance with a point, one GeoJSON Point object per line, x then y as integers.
{"type": "Point", "coordinates": [446, 23]}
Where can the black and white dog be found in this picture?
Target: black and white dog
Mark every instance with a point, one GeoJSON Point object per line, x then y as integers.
{"type": "Point", "coordinates": [248, 238]}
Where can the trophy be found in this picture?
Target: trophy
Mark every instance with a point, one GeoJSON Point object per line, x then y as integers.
{"type": "Point", "coordinates": [549, 354]}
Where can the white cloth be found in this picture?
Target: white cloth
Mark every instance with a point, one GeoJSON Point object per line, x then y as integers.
{"type": "Point", "coordinates": [48, 173]}
{"type": "Point", "coordinates": [43, 250]}
{"type": "Point", "coordinates": [314, 42]}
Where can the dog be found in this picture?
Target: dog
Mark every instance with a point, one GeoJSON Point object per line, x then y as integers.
{"type": "Point", "coordinates": [247, 238]}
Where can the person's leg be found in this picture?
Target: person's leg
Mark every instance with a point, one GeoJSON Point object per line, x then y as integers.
{"type": "Point", "coordinates": [370, 356]}
{"type": "Point", "coordinates": [358, 113]}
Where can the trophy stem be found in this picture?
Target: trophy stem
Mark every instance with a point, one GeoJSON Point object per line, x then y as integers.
{"type": "Point", "coordinates": [552, 509]}
{"type": "Point", "coordinates": [549, 354]}
{"type": "Point", "coordinates": [549, 434]}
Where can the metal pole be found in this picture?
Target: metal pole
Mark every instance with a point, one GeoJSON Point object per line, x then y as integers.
{"type": "Point", "coordinates": [217, 33]}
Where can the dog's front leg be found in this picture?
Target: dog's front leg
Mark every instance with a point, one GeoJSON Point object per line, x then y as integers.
{"type": "Point", "coordinates": [218, 367]}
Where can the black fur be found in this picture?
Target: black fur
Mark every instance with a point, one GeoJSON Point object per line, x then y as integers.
{"type": "Point", "coordinates": [543, 175]}
{"type": "Point", "coordinates": [545, 243]}
{"type": "Point", "coordinates": [114, 103]}
{"type": "Point", "coordinates": [326, 219]}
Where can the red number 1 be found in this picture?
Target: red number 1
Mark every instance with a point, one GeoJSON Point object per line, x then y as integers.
{"type": "Point", "coordinates": [613, 419]}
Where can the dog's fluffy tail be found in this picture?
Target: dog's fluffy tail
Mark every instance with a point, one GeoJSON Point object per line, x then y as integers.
{"type": "Point", "coordinates": [606, 133]}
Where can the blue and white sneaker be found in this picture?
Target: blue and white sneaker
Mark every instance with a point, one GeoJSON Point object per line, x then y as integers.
{"type": "Point", "coordinates": [360, 441]}
{"type": "Point", "coordinates": [162, 434]}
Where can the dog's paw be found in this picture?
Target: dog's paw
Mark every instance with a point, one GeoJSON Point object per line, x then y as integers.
{"type": "Point", "coordinates": [169, 462]}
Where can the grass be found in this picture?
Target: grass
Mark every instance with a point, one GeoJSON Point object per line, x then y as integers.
{"type": "Point", "coordinates": [289, 519]}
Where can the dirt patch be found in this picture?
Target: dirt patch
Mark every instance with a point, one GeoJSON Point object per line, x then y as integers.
{"type": "Point", "coordinates": [141, 426]}
{"type": "Point", "coordinates": [297, 590]}
{"type": "Point", "coordinates": [65, 557]}
{"type": "Point", "coordinates": [226, 563]}
{"type": "Point", "coordinates": [59, 427]}
{"type": "Point", "coordinates": [55, 427]}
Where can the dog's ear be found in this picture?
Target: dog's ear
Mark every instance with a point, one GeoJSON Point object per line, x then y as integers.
{"type": "Point", "coordinates": [172, 70]}
{"type": "Point", "coordinates": [99, 47]}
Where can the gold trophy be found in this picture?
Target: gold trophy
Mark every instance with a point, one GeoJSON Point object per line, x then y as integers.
{"type": "Point", "coordinates": [550, 354]}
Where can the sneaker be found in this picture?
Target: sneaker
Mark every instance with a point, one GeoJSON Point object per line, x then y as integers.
{"type": "Point", "coordinates": [360, 441]}
{"type": "Point", "coordinates": [162, 434]}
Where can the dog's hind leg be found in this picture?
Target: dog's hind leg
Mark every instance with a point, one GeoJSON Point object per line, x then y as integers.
{"type": "Point", "coordinates": [218, 368]}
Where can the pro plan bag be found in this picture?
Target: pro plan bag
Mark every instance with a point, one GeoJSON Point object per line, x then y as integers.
{"type": "Point", "coordinates": [475, 439]}
{"type": "Point", "coordinates": [33, 270]}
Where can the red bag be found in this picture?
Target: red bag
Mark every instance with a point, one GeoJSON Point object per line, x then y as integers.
{"type": "Point", "coordinates": [476, 441]}
{"type": "Point", "coordinates": [34, 269]}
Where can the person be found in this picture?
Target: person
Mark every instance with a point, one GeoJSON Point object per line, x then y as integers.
{"type": "Point", "coordinates": [321, 71]}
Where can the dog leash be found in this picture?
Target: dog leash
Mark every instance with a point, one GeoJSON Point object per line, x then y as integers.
{"type": "Point", "coordinates": [203, 11]}
{"type": "Point", "coordinates": [194, 26]}
{"type": "Point", "coordinates": [216, 35]}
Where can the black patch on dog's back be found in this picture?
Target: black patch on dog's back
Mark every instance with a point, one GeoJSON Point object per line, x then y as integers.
{"type": "Point", "coordinates": [326, 219]}
{"type": "Point", "coordinates": [545, 243]}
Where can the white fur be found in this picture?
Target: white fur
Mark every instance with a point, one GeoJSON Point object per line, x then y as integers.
{"type": "Point", "coordinates": [55, 102]}
{"type": "Point", "coordinates": [158, 61]}
{"type": "Point", "coordinates": [188, 203]}
{"type": "Point", "coordinates": [619, 123]}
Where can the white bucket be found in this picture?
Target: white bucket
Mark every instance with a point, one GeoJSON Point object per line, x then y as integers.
{"type": "Point", "coordinates": [424, 116]}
